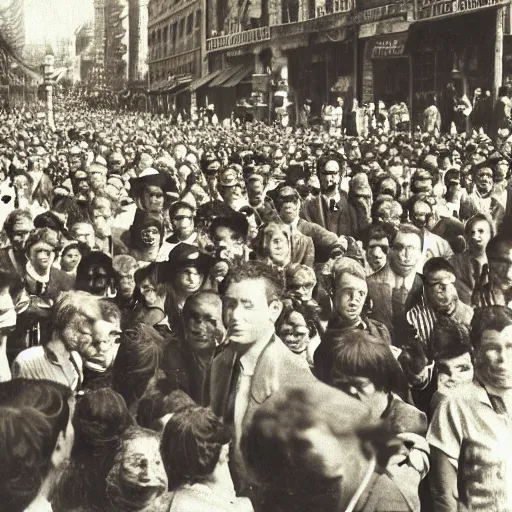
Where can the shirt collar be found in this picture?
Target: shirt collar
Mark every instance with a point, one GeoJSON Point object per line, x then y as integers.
{"type": "Point", "coordinates": [249, 360]}
{"type": "Point", "coordinates": [295, 223]}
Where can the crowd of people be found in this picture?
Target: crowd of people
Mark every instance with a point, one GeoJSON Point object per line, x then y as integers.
{"type": "Point", "coordinates": [234, 317]}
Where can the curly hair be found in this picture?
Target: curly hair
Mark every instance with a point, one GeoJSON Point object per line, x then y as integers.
{"type": "Point", "coordinates": [14, 217]}
{"type": "Point", "coordinates": [191, 445]}
{"type": "Point", "coordinates": [254, 271]}
{"type": "Point", "coordinates": [46, 235]}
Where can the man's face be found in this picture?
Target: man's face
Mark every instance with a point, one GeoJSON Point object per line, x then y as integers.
{"type": "Point", "coordinates": [454, 371]}
{"type": "Point", "coordinates": [153, 199]}
{"type": "Point", "coordinates": [278, 247]}
{"type": "Point", "coordinates": [479, 235]}
{"type": "Point", "coordinates": [97, 181]}
{"type": "Point", "coordinates": [255, 192]}
{"type": "Point", "coordinates": [494, 358]}
{"type": "Point", "coordinates": [150, 294]}
{"type": "Point", "coordinates": [106, 334]}
{"type": "Point", "coordinates": [85, 233]}
{"type": "Point", "coordinates": [329, 179]}
{"type": "Point", "coordinates": [349, 297]}
{"type": "Point", "coordinates": [22, 186]}
{"type": "Point", "coordinates": [294, 332]}
{"type": "Point", "coordinates": [183, 223]}
{"type": "Point", "coordinates": [289, 205]}
{"type": "Point", "coordinates": [377, 253]}
{"type": "Point", "coordinates": [420, 214]}
{"type": "Point", "coordinates": [20, 231]}
{"type": "Point", "coordinates": [500, 268]}
{"type": "Point", "coordinates": [150, 236]}
{"type": "Point", "coordinates": [125, 283]}
{"type": "Point", "coordinates": [102, 222]}
{"type": "Point", "coordinates": [440, 292]}
{"type": "Point", "coordinates": [75, 163]}
{"type": "Point", "coordinates": [390, 212]}
{"type": "Point", "coordinates": [41, 257]}
{"type": "Point", "coordinates": [189, 280]}
{"type": "Point", "coordinates": [483, 181]}
{"type": "Point", "coordinates": [405, 254]}
{"type": "Point", "coordinates": [231, 194]}
{"type": "Point", "coordinates": [301, 285]}
{"type": "Point", "coordinates": [247, 314]}
{"type": "Point", "coordinates": [203, 325]}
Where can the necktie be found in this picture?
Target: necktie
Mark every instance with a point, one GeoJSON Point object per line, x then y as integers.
{"type": "Point", "coordinates": [498, 404]}
{"type": "Point", "coordinates": [332, 205]}
{"type": "Point", "coordinates": [398, 299]}
{"type": "Point", "coordinates": [229, 417]}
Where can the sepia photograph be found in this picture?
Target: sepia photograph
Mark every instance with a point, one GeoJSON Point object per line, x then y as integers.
{"type": "Point", "coordinates": [255, 256]}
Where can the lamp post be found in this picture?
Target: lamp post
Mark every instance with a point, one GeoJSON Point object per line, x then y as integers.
{"type": "Point", "coordinates": [49, 61]}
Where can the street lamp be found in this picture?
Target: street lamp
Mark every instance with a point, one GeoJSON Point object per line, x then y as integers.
{"type": "Point", "coordinates": [49, 61]}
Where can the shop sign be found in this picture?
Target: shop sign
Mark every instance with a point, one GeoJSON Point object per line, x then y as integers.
{"type": "Point", "coordinates": [238, 39]}
{"type": "Point", "coordinates": [391, 46]}
{"type": "Point", "coordinates": [379, 13]}
{"type": "Point", "coordinates": [323, 24]}
{"type": "Point", "coordinates": [331, 36]}
{"type": "Point", "coordinates": [436, 8]}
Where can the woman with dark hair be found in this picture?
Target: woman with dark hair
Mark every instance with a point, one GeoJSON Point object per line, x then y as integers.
{"type": "Point", "coordinates": [137, 363]}
{"type": "Point", "coordinates": [36, 439]}
{"type": "Point", "coordinates": [100, 420]}
{"type": "Point", "coordinates": [365, 368]}
{"type": "Point", "coordinates": [137, 481]}
{"type": "Point", "coordinates": [195, 448]}
{"type": "Point", "coordinates": [152, 289]}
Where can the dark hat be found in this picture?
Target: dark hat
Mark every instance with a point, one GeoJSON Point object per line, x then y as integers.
{"type": "Point", "coordinates": [188, 255]}
{"type": "Point", "coordinates": [152, 177]}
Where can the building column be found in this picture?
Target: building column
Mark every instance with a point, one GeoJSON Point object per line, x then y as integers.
{"type": "Point", "coordinates": [498, 52]}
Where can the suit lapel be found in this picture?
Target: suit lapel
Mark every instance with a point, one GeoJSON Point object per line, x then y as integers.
{"type": "Point", "coordinates": [222, 371]}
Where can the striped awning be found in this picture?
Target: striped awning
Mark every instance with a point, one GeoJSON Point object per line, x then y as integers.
{"type": "Point", "coordinates": [225, 75]}
{"type": "Point", "coordinates": [201, 82]}
{"type": "Point", "coordinates": [238, 76]}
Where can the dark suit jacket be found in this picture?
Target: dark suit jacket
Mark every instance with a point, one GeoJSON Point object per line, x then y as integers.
{"type": "Point", "coordinates": [6, 262]}
{"type": "Point", "coordinates": [381, 293]}
{"type": "Point", "coordinates": [466, 271]}
{"type": "Point", "coordinates": [323, 239]}
{"type": "Point", "coordinates": [303, 250]}
{"type": "Point", "coordinates": [468, 208]}
{"type": "Point", "coordinates": [341, 222]}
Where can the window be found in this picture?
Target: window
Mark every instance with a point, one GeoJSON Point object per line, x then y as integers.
{"type": "Point", "coordinates": [190, 23]}
{"type": "Point", "coordinates": [198, 18]}
{"type": "Point", "coordinates": [174, 33]}
{"type": "Point", "coordinates": [182, 28]}
{"type": "Point", "coordinates": [165, 34]}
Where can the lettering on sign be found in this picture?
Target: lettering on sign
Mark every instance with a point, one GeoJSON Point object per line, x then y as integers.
{"type": "Point", "coordinates": [436, 8]}
{"type": "Point", "coordinates": [379, 13]}
{"type": "Point", "coordinates": [389, 47]}
{"type": "Point", "coordinates": [238, 39]}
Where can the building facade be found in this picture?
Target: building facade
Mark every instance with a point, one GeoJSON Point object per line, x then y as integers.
{"type": "Point", "coordinates": [395, 51]}
{"type": "Point", "coordinates": [176, 52]}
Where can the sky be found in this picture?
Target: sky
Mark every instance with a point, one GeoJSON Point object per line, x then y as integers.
{"type": "Point", "coordinates": [48, 20]}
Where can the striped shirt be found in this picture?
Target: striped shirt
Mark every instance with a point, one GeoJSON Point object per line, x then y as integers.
{"type": "Point", "coordinates": [41, 363]}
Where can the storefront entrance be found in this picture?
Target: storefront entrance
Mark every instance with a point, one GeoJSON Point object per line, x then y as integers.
{"type": "Point", "coordinates": [391, 80]}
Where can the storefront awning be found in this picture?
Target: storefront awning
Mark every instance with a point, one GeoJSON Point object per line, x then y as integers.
{"type": "Point", "coordinates": [201, 82]}
{"type": "Point", "coordinates": [238, 76]}
{"type": "Point", "coordinates": [388, 46]}
{"type": "Point", "coordinates": [226, 75]}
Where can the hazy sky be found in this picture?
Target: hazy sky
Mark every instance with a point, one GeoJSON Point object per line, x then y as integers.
{"type": "Point", "coordinates": [46, 20]}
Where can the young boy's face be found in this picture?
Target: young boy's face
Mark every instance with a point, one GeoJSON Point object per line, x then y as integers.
{"type": "Point", "coordinates": [454, 371]}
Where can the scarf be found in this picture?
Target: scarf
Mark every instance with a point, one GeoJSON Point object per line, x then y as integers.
{"type": "Point", "coordinates": [34, 276]}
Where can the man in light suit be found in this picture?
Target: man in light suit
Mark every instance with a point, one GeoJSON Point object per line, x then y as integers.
{"type": "Point", "coordinates": [331, 208]}
{"type": "Point", "coordinates": [397, 287]}
{"type": "Point", "coordinates": [255, 363]}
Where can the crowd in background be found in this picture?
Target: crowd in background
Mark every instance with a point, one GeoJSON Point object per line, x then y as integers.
{"type": "Point", "coordinates": [203, 316]}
